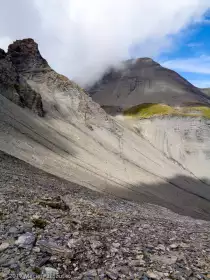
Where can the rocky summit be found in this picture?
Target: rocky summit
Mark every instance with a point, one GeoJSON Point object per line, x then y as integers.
{"type": "Point", "coordinates": [12, 83]}
{"type": "Point", "coordinates": [87, 195]}
{"type": "Point", "coordinates": [144, 81]}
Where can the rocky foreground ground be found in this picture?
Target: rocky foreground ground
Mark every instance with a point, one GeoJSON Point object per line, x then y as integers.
{"type": "Point", "coordinates": [51, 228]}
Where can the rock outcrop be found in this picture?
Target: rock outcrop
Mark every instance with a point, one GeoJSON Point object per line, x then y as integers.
{"type": "Point", "coordinates": [25, 56]}
{"type": "Point", "coordinates": [13, 85]}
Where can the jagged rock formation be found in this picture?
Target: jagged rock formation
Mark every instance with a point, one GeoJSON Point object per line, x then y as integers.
{"type": "Point", "coordinates": [26, 57]}
{"type": "Point", "coordinates": [12, 83]}
{"type": "Point", "coordinates": [144, 81]}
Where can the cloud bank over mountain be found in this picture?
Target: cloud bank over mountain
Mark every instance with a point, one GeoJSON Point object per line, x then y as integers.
{"type": "Point", "coordinates": [82, 38]}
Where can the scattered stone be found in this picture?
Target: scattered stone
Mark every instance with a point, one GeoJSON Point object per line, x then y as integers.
{"type": "Point", "coordinates": [4, 246]}
{"type": "Point", "coordinates": [153, 275]}
{"type": "Point", "coordinates": [96, 245]}
{"type": "Point", "coordinates": [52, 248]}
{"type": "Point", "coordinates": [72, 243]}
{"type": "Point", "coordinates": [43, 261]}
{"type": "Point", "coordinates": [112, 274]}
{"type": "Point", "coordinates": [91, 274]}
{"type": "Point", "coordinates": [116, 245]}
{"type": "Point", "coordinates": [36, 249]}
{"type": "Point", "coordinates": [174, 246]}
{"type": "Point", "coordinates": [161, 247]}
{"type": "Point", "coordinates": [13, 230]}
{"type": "Point", "coordinates": [26, 240]}
{"type": "Point", "coordinates": [165, 259]}
{"type": "Point", "coordinates": [50, 273]}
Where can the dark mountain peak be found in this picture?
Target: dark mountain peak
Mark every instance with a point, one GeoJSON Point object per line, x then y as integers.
{"type": "Point", "coordinates": [25, 55]}
{"type": "Point", "coordinates": [144, 81]}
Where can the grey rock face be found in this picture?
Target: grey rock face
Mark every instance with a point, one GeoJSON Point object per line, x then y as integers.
{"type": "Point", "coordinates": [30, 98]}
{"type": "Point", "coordinates": [8, 80]}
{"type": "Point", "coordinates": [12, 83]}
{"type": "Point", "coordinates": [144, 81]}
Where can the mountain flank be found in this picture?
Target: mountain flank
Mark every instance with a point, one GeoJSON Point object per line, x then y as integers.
{"type": "Point", "coordinates": [144, 81]}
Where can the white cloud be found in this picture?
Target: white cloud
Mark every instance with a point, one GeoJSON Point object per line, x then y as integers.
{"type": "Point", "coordinates": [81, 38]}
{"type": "Point", "coordinates": [4, 42]}
{"type": "Point", "coordinates": [199, 65]}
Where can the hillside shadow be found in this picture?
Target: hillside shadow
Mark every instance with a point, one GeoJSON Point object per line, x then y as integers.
{"type": "Point", "coordinates": [182, 195]}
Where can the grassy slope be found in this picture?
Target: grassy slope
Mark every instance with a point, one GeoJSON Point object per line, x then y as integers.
{"type": "Point", "coordinates": [148, 110]}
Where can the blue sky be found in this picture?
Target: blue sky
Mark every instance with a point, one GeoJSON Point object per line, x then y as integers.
{"type": "Point", "coordinates": [190, 54]}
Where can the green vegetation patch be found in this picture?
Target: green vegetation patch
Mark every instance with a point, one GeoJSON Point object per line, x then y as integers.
{"type": "Point", "coordinates": [148, 110]}
{"type": "Point", "coordinates": [37, 270]}
{"type": "Point", "coordinates": [39, 223]}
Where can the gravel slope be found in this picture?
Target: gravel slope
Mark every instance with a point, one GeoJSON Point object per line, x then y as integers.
{"type": "Point", "coordinates": [51, 226]}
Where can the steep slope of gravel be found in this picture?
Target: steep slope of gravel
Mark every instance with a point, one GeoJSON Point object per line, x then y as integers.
{"type": "Point", "coordinates": [49, 226]}
{"type": "Point", "coordinates": [144, 81]}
